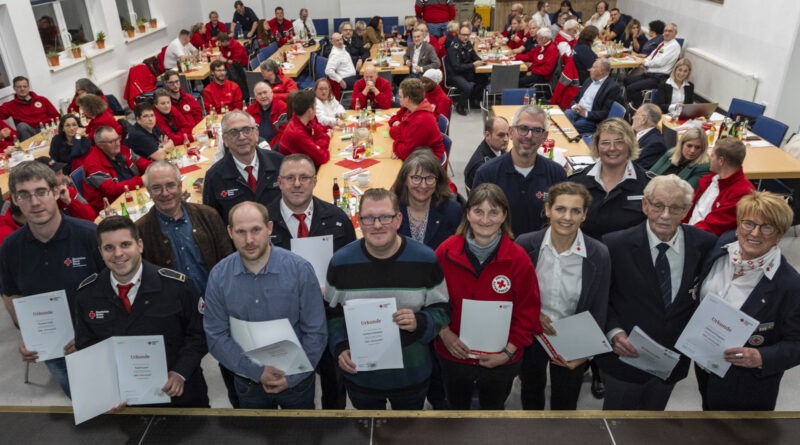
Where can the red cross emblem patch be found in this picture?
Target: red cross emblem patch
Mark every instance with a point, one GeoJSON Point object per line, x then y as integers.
{"type": "Point", "coordinates": [501, 284]}
{"type": "Point", "coordinates": [91, 315]}
{"type": "Point", "coordinates": [68, 262]}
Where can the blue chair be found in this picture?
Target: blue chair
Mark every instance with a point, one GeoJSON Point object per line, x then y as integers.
{"type": "Point", "coordinates": [617, 110]}
{"type": "Point", "coordinates": [448, 144]}
{"type": "Point", "coordinates": [513, 96]}
{"type": "Point", "coordinates": [745, 108]}
{"type": "Point", "coordinates": [770, 129]}
{"type": "Point", "coordinates": [388, 22]}
{"type": "Point", "coordinates": [320, 63]}
{"type": "Point", "coordinates": [77, 177]}
{"type": "Point", "coordinates": [254, 62]}
{"type": "Point", "coordinates": [321, 25]}
{"type": "Point", "coordinates": [444, 124]}
{"type": "Point", "coordinates": [680, 41]}
{"type": "Point", "coordinates": [337, 22]}
{"type": "Point", "coordinates": [267, 52]}
{"type": "Point", "coordinates": [588, 140]}
{"type": "Point", "coordinates": [364, 19]}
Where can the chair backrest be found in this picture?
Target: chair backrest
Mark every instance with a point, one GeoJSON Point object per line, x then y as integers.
{"type": "Point", "coordinates": [185, 84]}
{"type": "Point", "coordinates": [322, 27]}
{"type": "Point", "coordinates": [745, 108]}
{"type": "Point", "coordinates": [319, 66]}
{"type": "Point", "coordinates": [443, 123]}
{"type": "Point", "coordinates": [514, 96]}
{"type": "Point", "coordinates": [254, 62]}
{"type": "Point", "coordinates": [337, 22]}
{"type": "Point", "coordinates": [114, 104]}
{"type": "Point", "coordinates": [770, 129]}
{"type": "Point", "coordinates": [267, 52]}
{"type": "Point", "coordinates": [253, 77]}
{"type": "Point", "coordinates": [504, 76]}
{"type": "Point", "coordinates": [78, 177]}
{"type": "Point", "coordinates": [388, 22]}
{"type": "Point", "coordinates": [448, 144]}
{"type": "Point", "coordinates": [617, 110]}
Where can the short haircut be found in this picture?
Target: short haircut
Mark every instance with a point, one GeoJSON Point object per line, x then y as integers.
{"type": "Point", "coordinates": [302, 10]}
{"type": "Point", "coordinates": [298, 157]}
{"type": "Point", "coordinates": [98, 134]}
{"type": "Point", "coordinates": [341, 25]}
{"type": "Point", "coordinates": [540, 5]}
{"type": "Point", "coordinates": [360, 26]}
{"type": "Point", "coordinates": [571, 24]}
{"type": "Point", "coordinates": [19, 79]}
{"type": "Point", "coordinates": [588, 35]}
{"type": "Point", "coordinates": [413, 90]}
{"type": "Point", "coordinates": [452, 26]}
{"type": "Point", "coordinates": [159, 93]}
{"type": "Point", "coordinates": [604, 64]}
{"type": "Point", "coordinates": [92, 105]}
{"type": "Point", "coordinates": [614, 9]}
{"type": "Point", "coordinates": [422, 159]}
{"type": "Point", "coordinates": [732, 149]}
{"type": "Point", "coordinates": [184, 32]}
{"type": "Point", "coordinates": [692, 134]}
{"type": "Point", "coordinates": [615, 125]}
{"type": "Point", "coordinates": [30, 171]}
{"type": "Point", "coordinates": [488, 125]}
{"type": "Point", "coordinates": [270, 65]}
{"type": "Point", "coordinates": [114, 223]}
{"type": "Point", "coordinates": [657, 26]}
{"type": "Point", "coordinates": [769, 206]}
{"type": "Point", "coordinates": [141, 107]}
{"type": "Point", "coordinates": [223, 37]}
{"type": "Point", "coordinates": [238, 3]}
{"type": "Point", "coordinates": [278, 8]}
{"type": "Point", "coordinates": [159, 165]}
{"type": "Point", "coordinates": [217, 63]}
{"type": "Point", "coordinates": [494, 195]}
{"type": "Point", "coordinates": [302, 101]}
{"type": "Point", "coordinates": [213, 13]}
{"type": "Point", "coordinates": [568, 188]}
{"type": "Point", "coordinates": [379, 194]}
{"type": "Point", "coordinates": [169, 73]}
{"type": "Point", "coordinates": [544, 32]}
{"type": "Point", "coordinates": [652, 112]}
{"type": "Point", "coordinates": [231, 114]}
{"type": "Point", "coordinates": [256, 205]}
{"type": "Point", "coordinates": [673, 183]}
{"type": "Point", "coordinates": [532, 110]}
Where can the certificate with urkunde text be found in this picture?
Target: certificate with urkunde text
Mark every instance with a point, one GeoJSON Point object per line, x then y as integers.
{"type": "Point", "coordinates": [45, 323]}
{"type": "Point", "coordinates": [373, 335]}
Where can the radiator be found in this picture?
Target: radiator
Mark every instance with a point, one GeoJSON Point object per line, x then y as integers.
{"type": "Point", "coordinates": [718, 80]}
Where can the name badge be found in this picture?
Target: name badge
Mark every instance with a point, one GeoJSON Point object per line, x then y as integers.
{"type": "Point", "coordinates": [763, 327]}
{"type": "Point", "coordinates": [635, 197]}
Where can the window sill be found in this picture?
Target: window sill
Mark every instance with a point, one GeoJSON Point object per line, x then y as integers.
{"type": "Point", "coordinates": [139, 35]}
{"type": "Point", "coordinates": [88, 50]}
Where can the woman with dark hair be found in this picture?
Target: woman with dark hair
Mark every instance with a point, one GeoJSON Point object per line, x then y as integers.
{"type": "Point", "coordinates": [374, 32]}
{"type": "Point", "coordinates": [580, 273]}
{"type": "Point", "coordinates": [583, 54]}
{"type": "Point", "coordinates": [68, 146]}
{"type": "Point", "coordinates": [430, 212]}
{"type": "Point", "coordinates": [172, 123]}
{"type": "Point", "coordinates": [263, 36]}
{"type": "Point", "coordinates": [84, 86]}
{"type": "Point", "coordinates": [634, 38]}
{"type": "Point", "coordinates": [481, 263]}
{"type": "Point", "coordinates": [566, 6]}
{"type": "Point", "coordinates": [96, 110]}
{"type": "Point", "coordinates": [476, 23]}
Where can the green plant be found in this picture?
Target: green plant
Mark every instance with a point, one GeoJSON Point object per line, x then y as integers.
{"type": "Point", "coordinates": [75, 45]}
{"type": "Point", "coordinates": [101, 37]}
{"type": "Point", "coordinates": [52, 53]}
{"type": "Point", "coordinates": [141, 21]}
{"type": "Point", "coordinates": [127, 27]}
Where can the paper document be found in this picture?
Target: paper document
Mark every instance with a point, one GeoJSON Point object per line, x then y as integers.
{"type": "Point", "coordinates": [577, 336]}
{"type": "Point", "coordinates": [653, 357]}
{"type": "Point", "coordinates": [116, 370]}
{"type": "Point", "coordinates": [374, 337]}
{"type": "Point", "coordinates": [559, 155]}
{"type": "Point", "coordinates": [715, 327]}
{"type": "Point", "coordinates": [317, 250]}
{"type": "Point", "coordinates": [271, 343]}
{"type": "Point", "coordinates": [45, 323]}
{"type": "Point", "coordinates": [485, 325]}
{"type": "Point", "coordinates": [759, 143]}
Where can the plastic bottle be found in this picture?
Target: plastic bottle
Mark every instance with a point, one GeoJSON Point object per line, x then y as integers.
{"type": "Point", "coordinates": [140, 201]}
{"type": "Point", "coordinates": [128, 195]}
{"type": "Point", "coordinates": [337, 194]}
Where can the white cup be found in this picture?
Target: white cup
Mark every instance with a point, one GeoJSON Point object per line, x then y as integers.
{"type": "Point", "coordinates": [363, 178]}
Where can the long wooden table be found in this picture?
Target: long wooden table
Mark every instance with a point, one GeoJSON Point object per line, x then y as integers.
{"type": "Point", "coordinates": [299, 61]}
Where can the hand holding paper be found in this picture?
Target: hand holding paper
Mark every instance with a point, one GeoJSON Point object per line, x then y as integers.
{"type": "Point", "coordinates": [623, 347]}
{"type": "Point", "coordinates": [405, 319]}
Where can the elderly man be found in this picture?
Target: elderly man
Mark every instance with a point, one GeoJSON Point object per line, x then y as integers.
{"type": "Point", "coordinates": [281, 85]}
{"type": "Point", "coordinates": [245, 173]}
{"type": "Point", "coordinates": [593, 102]}
{"type": "Point", "coordinates": [260, 282]}
{"type": "Point", "coordinates": [435, 94]}
{"type": "Point", "coordinates": [415, 124]}
{"type": "Point", "coordinates": [245, 18]}
{"type": "Point", "coordinates": [303, 134]}
{"type": "Point", "coordinates": [460, 65]}
{"type": "Point", "coordinates": [304, 26]}
{"type": "Point", "coordinates": [178, 50]}
{"type": "Point", "coordinates": [436, 13]}
{"type": "Point", "coordinates": [651, 142]}
{"type": "Point", "coordinates": [428, 37]}
{"type": "Point", "coordinates": [220, 92]}
{"type": "Point", "coordinates": [28, 110]}
{"type": "Point", "coordinates": [714, 204]}
{"type": "Point", "coordinates": [389, 265]}
{"type": "Point", "coordinates": [181, 100]}
{"type": "Point", "coordinates": [282, 30]}
{"type": "Point", "coordinates": [372, 90]}
{"type": "Point", "coordinates": [567, 37]}
{"type": "Point", "coordinates": [266, 111]}
{"type": "Point", "coordinates": [658, 66]}
{"type": "Point", "coordinates": [541, 61]}
{"type": "Point", "coordinates": [110, 167]}
{"type": "Point", "coordinates": [655, 268]}
{"type": "Point", "coordinates": [340, 69]}
{"type": "Point", "coordinates": [523, 174]}
{"type": "Point", "coordinates": [420, 56]}
{"type": "Point", "coordinates": [494, 144]}
{"type": "Point", "coordinates": [232, 51]}
{"type": "Point", "coordinates": [354, 45]}
{"type": "Point", "coordinates": [517, 10]}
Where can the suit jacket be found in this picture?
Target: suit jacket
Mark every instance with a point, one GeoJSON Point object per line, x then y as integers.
{"type": "Point", "coordinates": [635, 297]}
{"type": "Point", "coordinates": [427, 57]}
{"type": "Point", "coordinates": [665, 95]}
{"type": "Point", "coordinates": [652, 148]}
{"type": "Point", "coordinates": [442, 222]}
{"type": "Point", "coordinates": [608, 93]}
{"type": "Point", "coordinates": [482, 154]}
{"type": "Point", "coordinates": [775, 305]}
{"type": "Point", "coordinates": [596, 270]}
{"type": "Point", "coordinates": [327, 220]}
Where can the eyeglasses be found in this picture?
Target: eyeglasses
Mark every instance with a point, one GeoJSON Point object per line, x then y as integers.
{"type": "Point", "coordinates": [158, 189]}
{"type": "Point", "coordinates": [616, 143]}
{"type": "Point", "coordinates": [525, 130]}
{"type": "Point", "coordinates": [111, 141]}
{"type": "Point", "coordinates": [659, 207]}
{"type": "Point", "coordinates": [464, 35]}
{"type": "Point", "coordinates": [305, 180]}
{"type": "Point", "coordinates": [765, 229]}
{"type": "Point", "coordinates": [172, 82]}
{"type": "Point", "coordinates": [38, 193]}
{"type": "Point", "coordinates": [370, 220]}
{"type": "Point", "coordinates": [235, 132]}
{"type": "Point", "coordinates": [417, 179]}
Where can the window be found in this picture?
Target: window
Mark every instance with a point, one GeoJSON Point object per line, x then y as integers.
{"type": "Point", "coordinates": [4, 80]}
{"type": "Point", "coordinates": [62, 23]}
{"type": "Point", "coordinates": [130, 10]}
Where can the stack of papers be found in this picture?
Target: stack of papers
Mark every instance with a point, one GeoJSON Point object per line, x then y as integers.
{"type": "Point", "coordinates": [271, 343]}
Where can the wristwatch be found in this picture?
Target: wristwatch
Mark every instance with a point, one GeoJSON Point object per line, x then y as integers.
{"type": "Point", "coordinates": [510, 354]}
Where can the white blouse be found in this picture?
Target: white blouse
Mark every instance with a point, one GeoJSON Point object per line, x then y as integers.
{"type": "Point", "coordinates": [327, 111]}
{"type": "Point", "coordinates": [560, 277]}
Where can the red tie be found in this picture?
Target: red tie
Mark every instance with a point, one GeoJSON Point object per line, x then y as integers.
{"type": "Point", "coordinates": [652, 56]}
{"type": "Point", "coordinates": [302, 229]}
{"type": "Point", "coordinates": [251, 180]}
{"type": "Point", "coordinates": [122, 290]}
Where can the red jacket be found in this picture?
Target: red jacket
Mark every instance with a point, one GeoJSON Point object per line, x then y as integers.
{"type": "Point", "coordinates": [722, 217]}
{"type": "Point", "coordinates": [9, 141]}
{"type": "Point", "coordinates": [568, 85]}
{"type": "Point", "coordinates": [509, 276]}
{"type": "Point", "coordinates": [542, 59]}
{"type": "Point", "coordinates": [416, 129]}
{"type": "Point", "coordinates": [78, 207]}
{"type": "Point", "coordinates": [311, 140]}
{"type": "Point", "coordinates": [73, 106]}
{"type": "Point", "coordinates": [235, 52]}
{"type": "Point", "coordinates": [101, 176]}
{"type": "Point", "coordinates": [284, 86]}
{"type": "Point", "coordinates": [34, 112]}
{"type": "Point", "coordinates": [216, 96]}
{"type": "Point", "coordinates": [511, 43]}
{"type": "Point", "coordinates": [282, 35]}
{"type": "Point", "coordinates": [560, 38]}
{"type": "Point", "coordinates": [208, 39]}
{"type": "Point", "coordinates": [278, 108]}
{"type": "Point", "coordinates": [7, 225]}
{"type": "Point", "coordinates": [140, 80]}
{"type": "Point", "coordinates": [382, 100]}
{"type": "Point", "coordinates": [106, 119]}
{"type": "Point", "coordinates": [435, 11]}
{"type": "Point", "coordinates": [440, 102]}
{"type": "Point", "coordinates": [174, 125]}
{"type": "Point", "coordinates": [198, 40]}
{"type": "Point", "coordinates": [189, 107]}
{"type": "Point", "coordinates": [437, 46]}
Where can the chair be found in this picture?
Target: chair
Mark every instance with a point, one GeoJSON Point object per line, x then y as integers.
{"type": "Point", "coordinates": [388, 23]}
{"type": "Point", "coordinates": [77, 177]}
{"type": "Point", "coordinates": [339, 21]}
{"type": "Point", "coordinates": [444, 123]}
{"type": "Point", "coordinates": [267, 52]}
{"type": "Point", "coordinates": [503, 76]}
{"type": "Point", "coordinates": [321, 25]}
{"type": "Point", "coordinates": [448, 144]}
{"type": "Point", "coordinates": [319, 67]}
{"type": "Point", "coordinates": [770, 129]}
{"type": "Point", "coordinates": [617, 110]}
{"type": "Point", "coordinates": [513, 96]}
{"type": "Point", "coordinates": [252, 78]}
{"type": "Point", "coordinates": [254, 62]}
{"type": "Point", "coordinates": [746, 109]}
{"type": "Point", "coordinates": [452, 91]}
{"type": "Point", "coordinates": [363, 19]}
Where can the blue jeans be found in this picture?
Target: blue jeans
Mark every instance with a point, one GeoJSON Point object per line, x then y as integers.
{"type": "Point", "coordinates": [437, 29]}
{"type": "Point", "coordinates": [583, 125]}
{"type": "Point", "coordinates": [58, 369]}
{"type": "Point", "coordinates": [251, 395]}
{"type": "Point", "coordinates": [412, 401]}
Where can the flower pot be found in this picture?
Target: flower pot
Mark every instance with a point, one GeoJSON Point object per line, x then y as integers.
{"type": "Point", "coordinates": [142, 28]}
{"type": "Point", "coordinates": [100, 44]}
{"type": "Point", "coordinates": [131, 33]}
{"type": "Point", "coordinates": [153, 23]}
{"type": "Point", "coordinates": [54, 61]}
{"type": "Point", "coordinates": [76, 53]}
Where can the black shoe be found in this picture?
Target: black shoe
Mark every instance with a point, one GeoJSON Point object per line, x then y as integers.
{"type": "Point", "coordinates": [461, 109]}
{"type": "Point", "coordinates": [598, 388]}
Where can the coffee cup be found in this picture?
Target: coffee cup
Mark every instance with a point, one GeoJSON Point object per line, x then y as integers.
{"type": "Point", "coordinates": [363, 178]}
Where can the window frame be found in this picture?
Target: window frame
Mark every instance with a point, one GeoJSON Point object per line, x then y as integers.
{"type": "Point", "coordinates": [61, 23]}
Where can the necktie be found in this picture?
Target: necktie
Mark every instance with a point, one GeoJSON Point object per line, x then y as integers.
{"type": "Point", "coordinates": [653, 56]}
{"type": "Point", "coordinates": [122, 290]}
{"type": "Point", "coordinates": [302, 229]}
{"type": "Point", "coordinates": [664, 274]}
{"type": "Point", "coordinates": [308, 33]}
{"type": "Point", "coordinates": [251, 180]}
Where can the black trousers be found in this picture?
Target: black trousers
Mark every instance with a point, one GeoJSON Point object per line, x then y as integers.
{"type": "Point", "coordinates": [494, 384]}
{"type": "Point", "coordinates": [565, 383]}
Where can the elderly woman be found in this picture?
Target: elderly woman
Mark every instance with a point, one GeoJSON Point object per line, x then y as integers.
{"type": "Point", "coordinates": [68, 146]}
{"type": "Point", "coordinates": [579, 272]}
{"type": "Point", "coordinates": [96, 111]}
{"type": "Point", "coordinates": [688, 160]}
{"type": "Point", "coordinates": [329, 111]}
{"type": "Point", "coordinates": [634, 38]}
{"type": "Point", "coordinates": [481, 263]}
{"type": "Point", "coordinates": [748, 271]}
{"type": "Point", "coordinates": [600, 17]}
{"type": "Point", "coordinates": [583, 54]}
{"type": "Point", "coordinates": [169, 120]}
{"type": "Point", "coordinates": [281, 85]}
{"type": "Point", "coordinates": [374, 32]}
{"type": "Point", "coordinates": [84, 86]}
{"type": "Point", "coordinates": [677, 90]}
{"type": "Point", "coordinates": [430, 212]}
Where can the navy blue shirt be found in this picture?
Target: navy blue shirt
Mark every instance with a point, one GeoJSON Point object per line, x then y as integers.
{"type": "Point", "coordinates": [185, 252]}
{"type": "Point", "coordinates": [30, 267]}
{"type": "Point", "coordinates": [526, 194]}
{"type": "Point", "coordinates": [142, 142]}
{"type": "Point", "coordinates": [265, 128]}
{"type": "Point", "coordinates": [245, 20]}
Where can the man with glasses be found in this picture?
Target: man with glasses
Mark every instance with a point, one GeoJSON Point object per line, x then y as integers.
{"type": "Point", "coordinates": [51, 252]}
{"type": "Point", "coordinates": [387, 265]}
{"type": "Point", "coordinates": [523, 174]}
{"type": "Point", "coordinates": [421, 56]}
{"type": "Point", "coordinates": [28, 109]}
{"type": "Point", "coordinates": [110, 167]}
{"type": "Point", "coordinates": [354, 45]}
{"type": "Point", "coordinates": [145, 138]}
{"type": "Point", "coordinates": [656, 266]}
{"type": "Point", "coordinates": [181, 100]}
{"type": "Point", "coordinates": [594, 100]}
{"type": "Point", "coordinates": [303, 134]}
{"type": "Point", "coordinates": [246, 172]}
{"type": "Point", "coordinates": [221, 92]}
{"type": "Point", "coordinates": [460, 68]}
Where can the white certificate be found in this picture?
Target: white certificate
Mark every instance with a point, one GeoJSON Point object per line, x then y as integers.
{"type": "Point", "coordinates": [715, 327]}
{"type": "Point", "coordinates": [577, 336]}
{"type": "Point", "coordinates": [106, 374]}
{"type": "Point", "coordinates": [653, 357]}
{"type": "Point", "coordinates": [317, 250]}
{"type": "Point", "coordinates": [45, 323]}
{"type": "Point", "coordinates": [271, 343]}
{"type": "Point", "coordinates": [485, 325]}
{"type": "Point", "coordinates": [374, 337]}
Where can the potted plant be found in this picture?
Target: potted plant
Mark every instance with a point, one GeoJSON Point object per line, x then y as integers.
{"type": "Point", "coordinates": [100, 40]}
{"type": "Point", "coordinates": [76, 50]}
{"type": "Point", "coordinates": [53, 58]}
{"type": "Point", "coordinates": [153, 23]}
{"type": "Point", "coordinates": [129, 30]}
{"type": "Point", "coordinates": [140, 23]}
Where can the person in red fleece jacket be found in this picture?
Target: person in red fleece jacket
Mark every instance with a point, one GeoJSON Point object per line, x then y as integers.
{"type": "Point", "coordinates": [541, 60]}
{"type": "Point", "coordinates": [213, 28]}
{"type": "Point", "coordinates": [436, 13]}
{"type": "Point", "coordinates": [304, 134]}
{"type": "Point", "coordinates": [415, 124]}
{"type": "Point", "coordinates": [221, 92]}
{"type": "Point", "coordinates": [10, 221]}
{"type": "Point", "coordinates": [372, 89]}
{"type": "Point", "coordinates": [169, 120]}
{"type": "Point", "coordinates": [266, 110]}
{"type": "Point", "coordinates": [281, 29]}
{"type": "Point", "coordinates": [70, 202]}
{"type": "Point", "coordinates": [83, 86]}
{"type": "Point", "coordinates": [435, 94]}
{"type": "Point", "coordinates": [6, 136]}
{"type": "Point", "coordinates": [280, 84]}
{"type": "Point", "coordinates": [28, 109]}
{"type": "Point", "coordinates": [232, 51]}
{"type": "Point", "coordinates": [514, 33]}
{"type": "Point", "coordinates": [109, 167]}
{"type": "Point", "coordinates": [98, 113]}
{"type": "Point", "coordinates": [181, 100]}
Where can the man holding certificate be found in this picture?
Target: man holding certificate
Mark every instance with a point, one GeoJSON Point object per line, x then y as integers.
{"type": "Point", "coordinates": [387, 265]}
{"type": "Point", "coordinates": [655, 268]}
{"type": "Point", "coordinates": [133, 297]}
{"type": "Point", "coordinates": [51, 252]}
{"type": "Point", "coordinates": [261, 282]}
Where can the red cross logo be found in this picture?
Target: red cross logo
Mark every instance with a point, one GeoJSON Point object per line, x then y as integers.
{"type": "Point", "coordinates": [68, 262]}
{"type": "Point", "coordinates": [91, 315]}
{"type": "Point", "coordinates": [501, 284]}
{"type": "Point", "coordinates": [223, 194]}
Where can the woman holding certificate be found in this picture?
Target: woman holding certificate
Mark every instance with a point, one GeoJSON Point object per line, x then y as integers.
{"type": "Point", "coordinates": [748, 271]}
{"type": "Point", "coordinates": [578, 271]}
{"type": "Point", "coordinates": [483, 266]}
